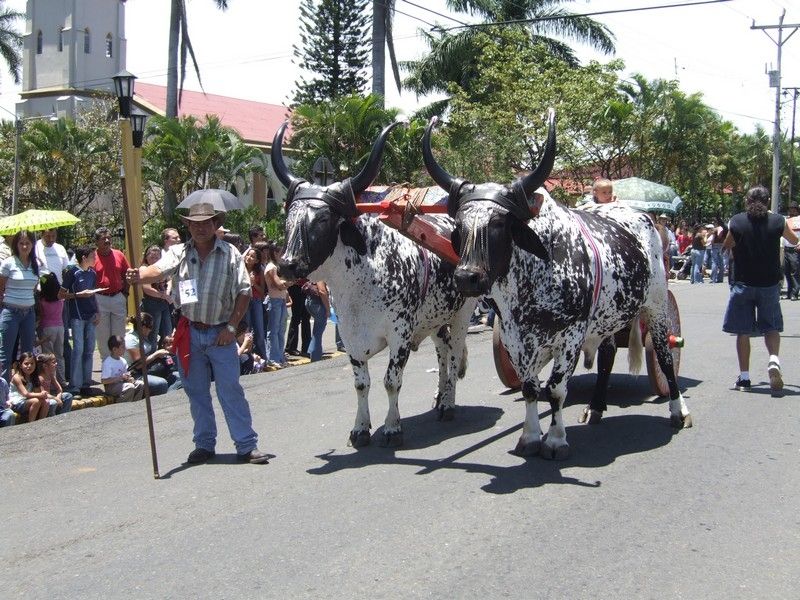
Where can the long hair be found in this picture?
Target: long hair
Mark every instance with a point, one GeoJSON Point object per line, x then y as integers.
{"type": "Point", "coordinates": [15, 249]}
{"type": "Point", "coordinates": [17, 367]}
{"type": "Point", "coordinates": [150, 249]}
{"type": "Point", "coordinates": [757, 202]}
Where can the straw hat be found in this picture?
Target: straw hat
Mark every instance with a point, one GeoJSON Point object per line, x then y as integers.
{"type": "Point", "coordinates": [202, 211]}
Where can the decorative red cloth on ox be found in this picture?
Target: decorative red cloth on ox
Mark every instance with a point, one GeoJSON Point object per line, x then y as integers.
{"type": "Point", "coordinates": [181, 343]}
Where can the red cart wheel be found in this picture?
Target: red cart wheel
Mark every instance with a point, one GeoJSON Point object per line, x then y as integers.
{"type": "Point", "coordinates": [658, 381]}
{"type": "Point", "coordinates": [502, 362]}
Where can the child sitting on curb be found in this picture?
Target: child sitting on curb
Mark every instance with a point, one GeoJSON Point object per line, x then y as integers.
{"type": "Point", "coordinates": [116, 379]}
{"type": "Point", "coordinates": [59, 400]}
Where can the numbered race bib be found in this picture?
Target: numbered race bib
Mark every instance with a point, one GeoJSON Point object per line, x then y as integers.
{"type": "Point", "coordinates": [187, 291]}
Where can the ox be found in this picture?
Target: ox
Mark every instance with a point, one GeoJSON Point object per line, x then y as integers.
{"type": "Point", "coordinates": [563, 282]}
{"type": "Point", "coordinates": [387, 290]}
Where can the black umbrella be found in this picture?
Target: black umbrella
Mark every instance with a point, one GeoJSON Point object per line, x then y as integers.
{"type": "Point", "coordinates": [220, 199]}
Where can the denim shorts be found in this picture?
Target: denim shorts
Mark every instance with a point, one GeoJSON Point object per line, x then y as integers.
{"type": "Point", "coordinates": [753, 310]}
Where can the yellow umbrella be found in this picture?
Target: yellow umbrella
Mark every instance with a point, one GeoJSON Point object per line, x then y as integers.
{"type": "Point", "coordinates": [36, 220]}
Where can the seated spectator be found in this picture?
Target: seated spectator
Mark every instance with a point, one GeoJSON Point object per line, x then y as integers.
{"type": "Point", "coordinates": [114, 375]}
{"type": "Point", "coordinates": [27, 399]}
{"type": "Point", "coordinates": [249, 361]}
{"type": "Point", "coordinates": [59, 400]}
{"type": "Point", "coordinates": [51, 322]}
{"type": "Point", "coordinates": [162, 373]}
{"type": "Point", "coordinates": [7, 415]}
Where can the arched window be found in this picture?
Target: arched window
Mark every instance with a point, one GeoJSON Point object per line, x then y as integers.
{"type": "Point", "coordinates": [39, 42]}
{"type": "Point", "coordinates": [87, 42]}
{"type": "Point", "coordinates": [109, 46]}
{"type": "Point", "coordinates": [60, 39]}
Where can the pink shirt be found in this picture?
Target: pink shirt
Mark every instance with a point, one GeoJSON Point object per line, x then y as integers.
{"type": "Point", "coordinates": [51, 313]}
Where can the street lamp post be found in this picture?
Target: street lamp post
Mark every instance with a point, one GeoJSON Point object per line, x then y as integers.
{"type": "Point", "coordinates": [131, 129]}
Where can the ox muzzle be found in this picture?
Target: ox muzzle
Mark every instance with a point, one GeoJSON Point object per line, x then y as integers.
{"type": "Point", "coordinates": [472, 281]}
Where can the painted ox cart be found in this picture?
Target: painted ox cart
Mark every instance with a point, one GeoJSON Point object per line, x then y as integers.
{"type": "Point", "coordinates": [411, 211]}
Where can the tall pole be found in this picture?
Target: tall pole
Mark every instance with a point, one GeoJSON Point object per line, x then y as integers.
{"type": "Point", "coordinates": [776, 83]}
{"type": "Point", "coordinates": [791, 145]}
{"type": "Point", "coordinates": [17, 137]}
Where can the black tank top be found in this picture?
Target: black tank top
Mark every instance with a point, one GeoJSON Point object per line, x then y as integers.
{"type": "Point", "coordinates": [756, 254]}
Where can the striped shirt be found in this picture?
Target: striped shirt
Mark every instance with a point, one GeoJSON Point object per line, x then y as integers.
{"type": "Point", "coordinates": [218, 280]}
{"type": "Point", "coordinates": [20, 282]}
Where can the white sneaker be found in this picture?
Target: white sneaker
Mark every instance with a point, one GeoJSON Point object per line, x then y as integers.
{"type": "Point", "coordinates": [775, 378]}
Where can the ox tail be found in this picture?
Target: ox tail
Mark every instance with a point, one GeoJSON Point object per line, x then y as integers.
{"type": "Point", "coordinates": [635, 348]}
{"type": "Point", "coordinates": [462, 367]}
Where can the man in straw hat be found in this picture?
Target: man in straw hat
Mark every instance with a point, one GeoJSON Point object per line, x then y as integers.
{"type": "Point", "coordinates": [213, 293]}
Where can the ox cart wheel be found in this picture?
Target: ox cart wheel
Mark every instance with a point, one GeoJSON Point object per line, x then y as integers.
{"type": "Point", "coordinates": [658, 381]}
{"type": "Point", "coordinates": [502, 362]}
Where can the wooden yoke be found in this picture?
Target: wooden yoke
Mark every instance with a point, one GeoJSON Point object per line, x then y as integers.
{"type": "Point", "coordinates": [402, 209]}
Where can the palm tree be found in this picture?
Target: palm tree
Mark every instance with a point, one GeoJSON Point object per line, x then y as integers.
{"type": "Point", "coordinates": [382, 18]}
{"type": "Point", "coordinates": [11, 41]}
{"type": "Point", "coordinates": [453, 57]}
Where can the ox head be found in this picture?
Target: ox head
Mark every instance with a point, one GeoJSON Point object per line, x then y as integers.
{"type": "Point", "coordinates": [490, 218]}
{"type": "Point", "coordinates": [318, 216]}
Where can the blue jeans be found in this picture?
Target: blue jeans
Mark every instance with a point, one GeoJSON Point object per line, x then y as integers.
{"type": "Point", "coordinates": [255, 319]}
{"type": "Point", "coordinates": [7, 417]}
{"type": "Point", "coordinates": [697, 265]}
{"type": "Point", "coordinates": [162, 317]}
{"type": "Point", "coordinates": [205, 356]}
{"type": "Point", "coordinates": [82, 353]}
{"type": "Point", "coordinates": [15, 322]}
{"type": "Point", "coordinates": [66, 405]}
{"type": "Point", "coordinates": [276, 330]}
{"type": "Point", "coordinates": [317, 309]}
{"type": "Point", "coordinates": [717, 266]}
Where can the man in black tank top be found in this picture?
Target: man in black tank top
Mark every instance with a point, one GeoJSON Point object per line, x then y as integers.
{"type": "Point", "coordinates": [754, 305]}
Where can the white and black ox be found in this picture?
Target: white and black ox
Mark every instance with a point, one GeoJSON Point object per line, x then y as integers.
{"type": "Point", "coordinates": [387, 290]}
{"type": "Point", "coordinates": [563, 282]}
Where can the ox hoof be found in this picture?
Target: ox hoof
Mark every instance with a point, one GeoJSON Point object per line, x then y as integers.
{"type": "Point", "coordinates": [528, 448]}
{"type": "Point", "coordinates": [446, 413]}
{"type": "Point", "coordinates": [590, 416]}
{"type": "Point", "coordinates": [680, 422]}
{"type": "Point", "coordinates": [359, 439]}
{"type": "Point", "coordinates": [393, 439]}
{"type": "Point", "coordinates": [557, 453]}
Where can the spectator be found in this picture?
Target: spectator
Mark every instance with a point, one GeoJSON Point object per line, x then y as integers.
{"type": "Point", "coordinates": [169, 237]}
{"type": "Point", "coordinates": [698, 254]}
{"type": "Point", "coordinates": [221, 232]}
{"type": "Point", "coordinates": [255, 312]}
{"type": "Point", "coordinates": [791, 262]}
{"type": "Point", "coordinates": [249, 361]}
{"type": "Point", "coordinates": [162, 373]}
{"type": "Point", "coordinates": [276, 290]}
{"type": "Point", "coordinates": [27, 399]}
{"type": "Point", "coordinates": [117, 381]}
{"type": "Point", "coordinates": [754, 303]}
{"type": "Point", "coordinates": [112, 303]}
{"type": "Point", "coordinates": [318, 305]}
{"type": "Point", "coordinates": [603, 191]}
{"type": "Point", "coordinates": [78, 289]}
{"type": "Point", "coordinates": [7, 415]}
{"type": "Point", "coordinates": [51, 321]}
{"type": "Point", "coordinates": [256, 235]}
{"type": "Point", "coordinates": [717, 261]}
{"type": "Point", "coordinates": [301, 320]}
{"type": "Point", "coordinates": [46, 368]}
{"type": "Point", "coordinates": [156, 300]}
{"type": "Point", "coordinates": [19, 274]}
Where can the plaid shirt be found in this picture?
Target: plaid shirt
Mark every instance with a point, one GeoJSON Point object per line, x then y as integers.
{"type": "Point", "coordinates": [219, 279]}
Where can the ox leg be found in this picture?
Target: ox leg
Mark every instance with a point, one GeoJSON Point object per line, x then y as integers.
{"type": "Point", "coordinates": [530, 442]}
{"type": "Point", "coordinates": [606, 354]}
{"type": "Point", "coordinates": [554, 444]}
{"type": "Point", "coordinates": [448, 371]}
{"type": "Point", "coordinates": [359, 436]}
{"type": "Point", "coordinates": [679, 416]}
{"type": "Point", "coordinates": [393, 381]}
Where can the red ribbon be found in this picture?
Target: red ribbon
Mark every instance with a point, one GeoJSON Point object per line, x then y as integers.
{"type": "Point", "coordinates": [181, 343]}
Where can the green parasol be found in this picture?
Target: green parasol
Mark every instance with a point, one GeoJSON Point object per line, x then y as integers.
{"type": "Point", "coordinates": [36, 220]}
{"type": "Point", "coordinates": [647, 196]}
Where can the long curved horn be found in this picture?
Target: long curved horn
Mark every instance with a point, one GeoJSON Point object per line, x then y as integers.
{"type": "Point", "coordinates": [531, 182]}
{"type": "Point", "coordinates": [276, 154]}
{"type": "Point", "coordinates": [370, 171]}
{"type": "Point", "coordinates": [442, 178]}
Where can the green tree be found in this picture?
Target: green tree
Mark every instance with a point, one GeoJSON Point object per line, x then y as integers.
{"type": "Point", "coordinates": [11, 40]}
{"type": "Point", "coordinates": [333, 36]}
{"type": "Point", "coordinates": [453, 57]}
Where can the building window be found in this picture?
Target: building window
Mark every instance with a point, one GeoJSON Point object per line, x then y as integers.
{"type": "Point", "coordinates": [39, 42]}
{"type": "Point", "coordinates": [60, 39]}
{"type": "Point", "coordinates": [109, 46]}
{"type": "Point", "coordinates": [87, 42]}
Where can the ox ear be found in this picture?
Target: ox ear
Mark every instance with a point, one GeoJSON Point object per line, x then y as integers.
{"type": "Point", "coordinates": [526, 238]}
{"type": "Point", "coordinates": [352, 237]}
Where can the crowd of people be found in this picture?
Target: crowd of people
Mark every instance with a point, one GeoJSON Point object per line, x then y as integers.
{"type": "Point", "coordinates": [59, 306]}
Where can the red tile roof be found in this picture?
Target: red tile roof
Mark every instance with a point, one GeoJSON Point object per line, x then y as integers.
{"type": "Point", "coordinates": [256, 122]}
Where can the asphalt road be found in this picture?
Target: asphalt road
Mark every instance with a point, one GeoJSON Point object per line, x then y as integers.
{"type": "Point", "coordinates": [637, 511]}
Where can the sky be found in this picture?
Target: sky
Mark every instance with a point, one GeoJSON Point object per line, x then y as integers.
{"type": "Point", "coordinates": [246, 51]}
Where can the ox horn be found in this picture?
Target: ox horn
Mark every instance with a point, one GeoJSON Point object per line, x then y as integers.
{"type": "Point", "coordinates": [531, 182]}
{"type": "Point", "coordinates": [276, 154]}
{"type": "Point", "coordinates": [370, 171]}
{"type": "Point", "coordinates": [442, 178]}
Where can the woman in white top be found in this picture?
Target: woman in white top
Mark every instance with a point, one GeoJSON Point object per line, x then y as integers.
{"type": "Point", "coordinates": [19, 275]}
{"type": "Point", "coordinates": [277, 300]}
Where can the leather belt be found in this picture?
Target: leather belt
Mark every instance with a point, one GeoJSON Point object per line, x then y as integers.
{"type": "Point", "coordinates": [204, 326]}
{"type": "Point", "coordinates": [109, 293]}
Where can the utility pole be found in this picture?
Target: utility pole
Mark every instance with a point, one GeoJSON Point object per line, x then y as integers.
{"type": "Point", "coordinates": [795, 92]}
{"type": "Point", "coordinates": [775, 81]}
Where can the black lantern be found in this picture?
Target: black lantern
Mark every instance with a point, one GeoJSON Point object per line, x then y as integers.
{"type": "Point", "coordinates": [137, 124]}
{"type": "Point", "coordinates": [123, 87]}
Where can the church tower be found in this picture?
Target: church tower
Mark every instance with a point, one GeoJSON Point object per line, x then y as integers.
{"type": "Point", "coordinates": [71, 49]}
